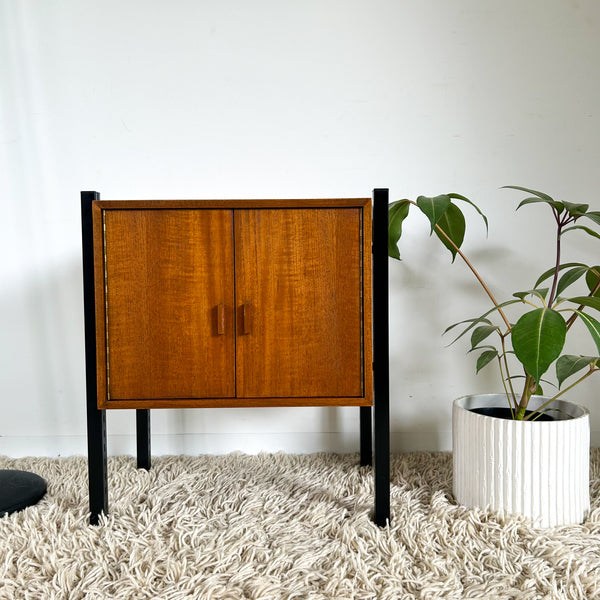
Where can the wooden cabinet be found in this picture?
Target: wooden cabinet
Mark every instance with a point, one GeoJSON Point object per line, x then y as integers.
{"type": "Point", "coordinates": [233, 303]}
{"type": "Point", "coordinates": [192, 303]}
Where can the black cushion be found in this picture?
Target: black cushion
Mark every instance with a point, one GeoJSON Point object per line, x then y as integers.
{"type": "Point", "coordinates": [19, 489]}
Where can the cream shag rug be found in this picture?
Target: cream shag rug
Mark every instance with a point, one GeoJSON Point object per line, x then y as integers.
{"type": "Point", "coordinates": [281, 527]}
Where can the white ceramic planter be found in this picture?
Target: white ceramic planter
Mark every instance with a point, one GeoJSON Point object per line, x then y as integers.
{"type": "Point", "coordinates": [534, 468]}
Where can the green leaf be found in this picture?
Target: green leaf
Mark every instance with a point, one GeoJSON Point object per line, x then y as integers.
{"type": "Point", "coordinates": [485, 358]}
{"type": "Point", "coordinates": [397, 212]}
{"type": "Point", "coordinates": [486, 347]}
{"type": "Point", "coordinates": [540, 293]}
{"type": "Point", "coordinates": [481, 319]}
{"type": "Point", "coordinates": [586, 229]}
{"type": "Point", "coordinates": [465, 199]}
{"type": "Point", "coordinates": [557, 205]}
{"type": "Point", "coordinates": [550, 272]}
{"type": "Point", "coordinates": [569, 364]}
{"type": "Point", "coordinates": [591, 279]}
{"type": "Point", "coordinates": [433, 208]}
{"type": "Point", "coordinates": [481, 333]}
{"type": "Point", "coordinates": [538, 338]}
{"type": "Point", "coordinates": [592, 325]}
{"type": "Point", "coordinates": [591, 301]}
{"type": "Point", "coordinates": [452, 223]}
{"type": "Point", "coordinates": [569, 278]}
{"type": "Point", "coordinates": [540, 197]}
{"type": "Point", "coordinates": [576, 210]}
{"type": "Point", "coordinates": [472, 322]}
{"type": "Point", "coordinates": [594, 215]}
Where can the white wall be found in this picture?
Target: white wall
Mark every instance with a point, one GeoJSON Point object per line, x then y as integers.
{"type": "Point", "coordinates": [228, 99]}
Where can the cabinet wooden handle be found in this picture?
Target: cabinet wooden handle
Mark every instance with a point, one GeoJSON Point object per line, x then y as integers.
{"type": "Point", "coordinates": [246, 318]}
{"type": "Point", "coordinates": [221, 319]}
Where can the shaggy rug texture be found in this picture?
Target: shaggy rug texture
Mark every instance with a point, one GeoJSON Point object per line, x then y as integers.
{"type": "Point", "coordinates": [283, 526]}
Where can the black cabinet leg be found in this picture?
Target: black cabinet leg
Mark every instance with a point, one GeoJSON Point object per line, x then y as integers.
{"type": "Point", "coordinates": [381, 359]}
{"type": "Point", "coordinates": [382, 461]}
{"type": "Point", "coordinates": [142, 423]}
{"type": "Point", "coordinates": [96, 419]}
{"type": "Point", "coordinates": [97, 464]}
{"type": "Point", "coordinates": [366, 437]}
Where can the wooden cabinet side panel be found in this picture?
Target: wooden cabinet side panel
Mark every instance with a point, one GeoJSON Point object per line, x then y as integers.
{"type": "Point", "coordinates": [100, 300]}
{"type": "Point", "coordinates": [167, 272]}
{"type": "Point", "coordinates": [367, 306]}
{"type": "Point", "coordinates": [299, 272]}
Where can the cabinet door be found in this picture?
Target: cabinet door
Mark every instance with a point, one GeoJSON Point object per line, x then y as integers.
{"type": "Point", "coordinates": [169, 303]}
{"type": "Point", "coordinates": [298, 296]}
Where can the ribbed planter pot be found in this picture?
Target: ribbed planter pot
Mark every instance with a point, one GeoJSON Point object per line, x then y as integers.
{"type": "Point", "coordinates": [539, 469]}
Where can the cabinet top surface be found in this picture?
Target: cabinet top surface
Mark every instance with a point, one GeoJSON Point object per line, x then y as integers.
{"type": "Point", "coordinates": [264, 203]}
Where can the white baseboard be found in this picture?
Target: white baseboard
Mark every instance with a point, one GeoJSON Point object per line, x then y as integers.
{"type": "Point", "coordinates": [224, 443]}
{"type": "Point", "coordinates": [220, 443]}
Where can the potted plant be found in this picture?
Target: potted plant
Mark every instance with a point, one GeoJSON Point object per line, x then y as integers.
{"type": "Point", "coordinates": [521, 451]}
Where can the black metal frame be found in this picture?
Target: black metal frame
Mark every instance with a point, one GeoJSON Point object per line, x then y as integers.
{"type": "Point", "coordinates": [381, 369]}
{"type": "Point", "coordinates": [366, 436]}
{"type": "Point", "coordinates": [142, 426]}
{"type": "Point", "coordinates": [381, 356]}
{"type": "Point", "coordinates": [96, 419]}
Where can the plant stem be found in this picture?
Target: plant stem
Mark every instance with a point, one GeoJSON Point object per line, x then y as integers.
{"type": "Point", "coordinates": [557, 266]}
{"type": "Point", "coordinates": [512, 399]}
{"type": "Point", "coordinates": [592, 370]}
{"type": "Point", "coordinates": [504, 380]}
{"type": "Point", "coordinates": [477, 276]}
{"type": "Point", "coordinates": [528, 389]}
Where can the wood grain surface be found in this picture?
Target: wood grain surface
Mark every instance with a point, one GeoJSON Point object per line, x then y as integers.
{"type": "Point", "coordinates": [299, 270]}
{"type": "Point", "coordinates": [233, 303]}
{"type": "Point", "coordinates": [167, 273]}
